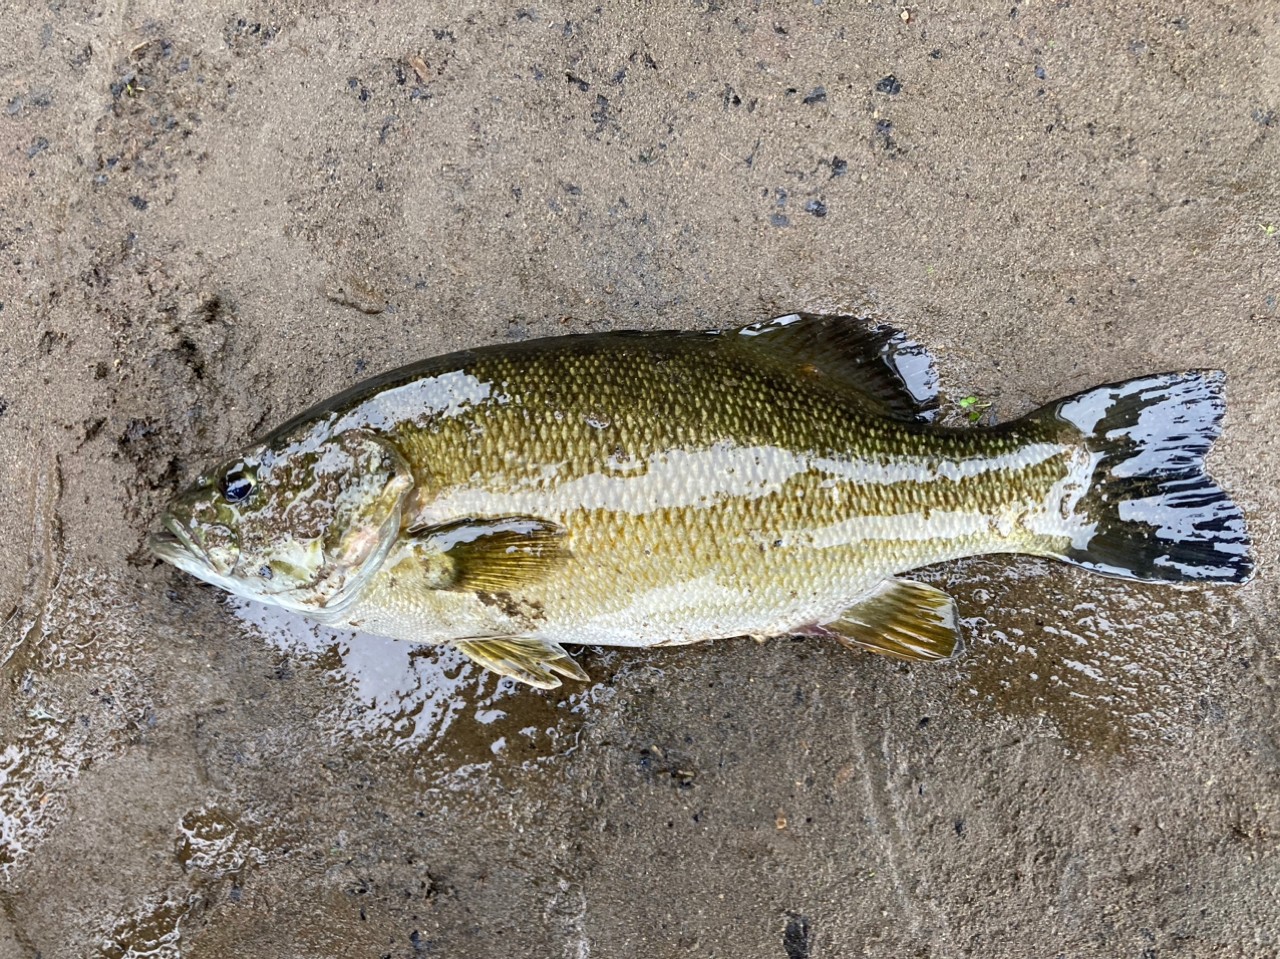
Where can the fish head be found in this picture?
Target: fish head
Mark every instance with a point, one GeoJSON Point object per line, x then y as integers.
{"type": "Point", "coordinates": [301, 522]}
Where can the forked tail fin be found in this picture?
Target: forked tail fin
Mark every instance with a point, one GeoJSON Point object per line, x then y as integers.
{"type": "Point", "coordinates": [1151, 511]}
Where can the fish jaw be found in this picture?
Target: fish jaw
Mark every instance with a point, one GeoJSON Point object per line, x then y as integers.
{"type": "Point", "coordinates": [174, 547]}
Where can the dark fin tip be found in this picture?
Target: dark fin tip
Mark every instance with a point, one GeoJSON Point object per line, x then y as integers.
{"type": "Point", "coordinates": [875, 360]}
{"type": "Point", "coordinates": [1155, 513]}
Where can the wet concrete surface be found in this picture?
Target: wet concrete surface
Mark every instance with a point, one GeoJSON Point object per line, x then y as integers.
{"type": "Point", "coordinates": [214, 216]}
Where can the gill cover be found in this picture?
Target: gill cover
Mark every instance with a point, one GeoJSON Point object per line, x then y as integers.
{"type": "Point", "coordinates": [351, 495]}
{"type": "Point", "coordinates": [367, 509]}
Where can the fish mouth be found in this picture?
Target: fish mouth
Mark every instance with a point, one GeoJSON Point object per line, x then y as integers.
{"type": "Point", "coordinates": [173, 545]}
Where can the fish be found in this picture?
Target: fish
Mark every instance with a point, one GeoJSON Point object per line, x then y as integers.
{"type": "Point", "coordinates": [651, 489]}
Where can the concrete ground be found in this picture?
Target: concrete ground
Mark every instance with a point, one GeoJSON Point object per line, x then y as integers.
{"type": "Point", "coordinates": [214, 214]}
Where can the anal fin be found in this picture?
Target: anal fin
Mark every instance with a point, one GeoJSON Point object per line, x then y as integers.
{"type": "Point", "coordinates": [900, 618]}
{"type": "Point", "coordinates": [532, 661]}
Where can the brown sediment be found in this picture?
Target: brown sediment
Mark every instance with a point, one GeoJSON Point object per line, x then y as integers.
{"type": "Point", "coordinates": [1111, 665]}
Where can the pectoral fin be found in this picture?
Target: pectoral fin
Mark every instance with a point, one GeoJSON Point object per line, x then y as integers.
{"type": "Point", "coordinates": [531, 661]}
{"type": "Point", "coordinates": [903, 619]}
{"type": "Point", "coordinates": [499, 555]}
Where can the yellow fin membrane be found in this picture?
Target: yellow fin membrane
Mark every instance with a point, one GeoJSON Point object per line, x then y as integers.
{"type": "Point", "coordinates": [496, 555]}
{"type": "Point", "coordinates": [531, 661]}
{"type": "Point", "coordinates": [900, 618]}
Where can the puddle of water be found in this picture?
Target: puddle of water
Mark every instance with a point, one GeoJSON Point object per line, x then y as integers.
{"type": "Point", "coordinates": [68, 683]}
{"type": "Point", "coordinates": [155, 932]}
{"type": "Point", "coordinates": [1113, 665]}
{"type": "Point", "coordinates": [215, 843]}
{"type": "Point", "coordinates": [456, 719]}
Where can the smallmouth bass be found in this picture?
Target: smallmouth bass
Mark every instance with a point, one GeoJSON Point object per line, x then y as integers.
{"type": "Point", "coordinates": [652, 489]}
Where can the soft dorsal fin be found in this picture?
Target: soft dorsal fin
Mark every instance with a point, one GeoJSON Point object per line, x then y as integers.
{"type": "Point", "coordinates": [872, 359]}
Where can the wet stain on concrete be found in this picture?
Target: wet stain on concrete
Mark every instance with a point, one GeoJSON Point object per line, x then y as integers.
{"type": "Point", "coordinates": [155, 931]}
{"type": "Point", "coordinates": [1111, 665]}
{"type": "Point", "coordinates": [431, 705]}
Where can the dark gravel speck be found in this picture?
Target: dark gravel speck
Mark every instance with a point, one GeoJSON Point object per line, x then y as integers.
{"type": "Point", "coordinates": [1039, 73]}
{"type": "Point", "coordinates": [819, 95]}
{"type": "Point", "coordinates": [889, 85]}
{"type": "Point", "coordinates": [138, 202]}
{"type": "Point", "coordinates": [816, 207]}
{"type": "Point", "coordinates": [601, 116]}
{"type": "Point", "coordinates": [839, 167]}
{"type": "Point", "coordinates": [796, 937]}
{"type": "Point", "coordinates": [119, 86]}
{"type": "Point", "coordinates": [779, 219]}
{"type": "Point", "coordinates": [40, 97]}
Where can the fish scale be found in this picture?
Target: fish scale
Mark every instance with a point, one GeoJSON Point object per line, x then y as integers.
{"type": "Point", "coordinates": [658, 489]}
{"type": "Point", "coordinates": [711, 560]}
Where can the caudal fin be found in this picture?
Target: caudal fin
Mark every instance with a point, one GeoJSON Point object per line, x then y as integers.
{"type": "Point", "coordinates": [1151, 511]}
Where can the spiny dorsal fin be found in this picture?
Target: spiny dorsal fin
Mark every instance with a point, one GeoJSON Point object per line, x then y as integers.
{"type": "Point", "coordinates": [900, 618]}
{"type": "Point", "coordinates": [532, 661]}
{"type": "Point", "coordinates": [495, 555]}
{"type": "Point", "coordinates": [873, 359]}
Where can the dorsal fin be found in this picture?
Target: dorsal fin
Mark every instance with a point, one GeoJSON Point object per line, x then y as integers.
{"type": "Point", "coordinates": [872, 359]}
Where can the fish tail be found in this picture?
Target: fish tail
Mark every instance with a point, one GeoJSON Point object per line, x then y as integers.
{"type": "Point", "coordinates": [1151, 511]}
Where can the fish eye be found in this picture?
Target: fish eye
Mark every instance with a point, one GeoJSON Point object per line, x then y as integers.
{"type": "Point", "coordinates": [237, 485]}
